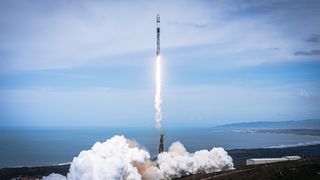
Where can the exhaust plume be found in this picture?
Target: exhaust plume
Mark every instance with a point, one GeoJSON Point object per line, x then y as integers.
{"type": "Point", "coordinates": [158, 99]}
{"type": "Point", "coordinates": [120, 158]}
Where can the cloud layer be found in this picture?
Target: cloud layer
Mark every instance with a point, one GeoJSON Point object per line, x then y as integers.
{"type": "Point", "coordinates": [59, 34]}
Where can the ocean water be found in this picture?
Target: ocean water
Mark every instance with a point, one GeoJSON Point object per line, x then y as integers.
{"type": "Point", "coordinates": [47, 146]}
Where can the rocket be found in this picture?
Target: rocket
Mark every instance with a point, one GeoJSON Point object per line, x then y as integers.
{"type": "Point", "coordinates": [161, 144]}
{"type": "Point", "coordinates": [158, 34]}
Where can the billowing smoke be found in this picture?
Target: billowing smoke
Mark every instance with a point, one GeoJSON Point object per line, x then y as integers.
{"type": "Point", "coordinates": [157, 98]}
{"type": "Point", "coordinates": [119, 158]}
{"type": "Point", "coordinates": [54, 176]}
{"type": "Point", "coordinates": [177, 161]}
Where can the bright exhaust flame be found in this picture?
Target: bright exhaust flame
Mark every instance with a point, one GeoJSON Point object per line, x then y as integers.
{"type": "Point", "coordinates": [157, 99]}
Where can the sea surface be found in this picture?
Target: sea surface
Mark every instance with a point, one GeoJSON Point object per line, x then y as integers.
{"type": "Point", "coordinates": [48, 146]}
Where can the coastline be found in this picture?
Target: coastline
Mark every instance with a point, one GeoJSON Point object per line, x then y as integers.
{"type": "Point", "coordinates": [310, 132]}
{"type": "Point", "coordinates": [239, 156]}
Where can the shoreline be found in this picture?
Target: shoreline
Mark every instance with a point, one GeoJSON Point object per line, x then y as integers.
{"type": "Point", "coordinates": [239, 156]}
{"type": "Point", "coordinates": [236, 152]}
{"type": "Point", "coordinates": [310, 132]}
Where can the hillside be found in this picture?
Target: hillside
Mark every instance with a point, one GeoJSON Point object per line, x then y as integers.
{"type": "Point", "coordinates": [302, 124]}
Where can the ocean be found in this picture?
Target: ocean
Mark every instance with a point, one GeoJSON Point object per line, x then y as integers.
{"type": "Point", "coordinates": [48, 146]}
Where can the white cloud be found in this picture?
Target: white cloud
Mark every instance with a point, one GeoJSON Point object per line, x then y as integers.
{"type": "Point", "coordinates": [60, 34]}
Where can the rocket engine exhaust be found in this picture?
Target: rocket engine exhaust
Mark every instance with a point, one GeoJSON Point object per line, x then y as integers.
{"type": "Point", "coordinates": [121, 158]}
{"type": "Point", "coordinates": [158, 99]}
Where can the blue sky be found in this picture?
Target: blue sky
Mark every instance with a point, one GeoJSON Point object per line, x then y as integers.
{"type": "Point", "coordinates": [91, 63]}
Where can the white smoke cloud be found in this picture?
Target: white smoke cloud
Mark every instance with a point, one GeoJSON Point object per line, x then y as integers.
{"type": "Point", "coordinates": [113, 159]}
{"type": "Point", "coordinates": [54, 176]}
{"type": "Point", "coordinates": [120, 158]}
{"type": "Point", "coordinates": [178, 162]}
